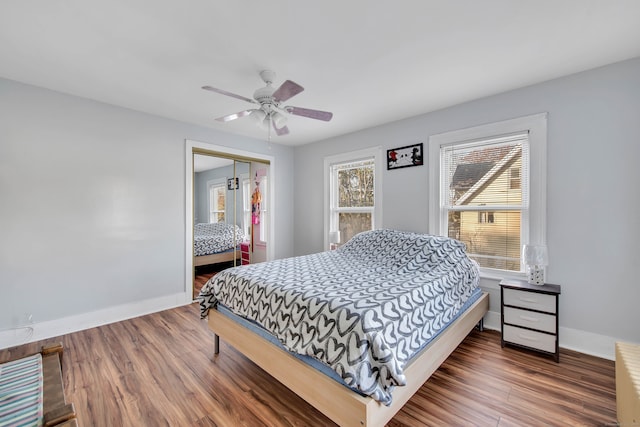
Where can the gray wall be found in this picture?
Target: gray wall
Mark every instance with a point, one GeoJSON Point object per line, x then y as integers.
{"type": "Point", "coordinates": [92, 203]}
{"type": "Point", "coordinates": [593, 201]}
{"type": "Point", "coordinates": [200, 190]}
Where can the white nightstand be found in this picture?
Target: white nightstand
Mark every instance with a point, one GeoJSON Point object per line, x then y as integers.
{"type": "Point", "coordinates": [529, 316]}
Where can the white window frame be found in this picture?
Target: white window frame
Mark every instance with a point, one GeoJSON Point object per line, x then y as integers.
{"type": "Point", "coordinates": [221, 182]}
{"type": "Point", "coordinates": [329, 187]}
{"type": "Point", "coordinates": [533, 222]}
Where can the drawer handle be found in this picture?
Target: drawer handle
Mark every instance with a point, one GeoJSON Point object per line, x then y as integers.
{"type": "Point", "coordinates": [527, 337]}
{"type": "Point", "coordinates": [531, 300]}
{"type": "Point", "coordinates": [529, 319]}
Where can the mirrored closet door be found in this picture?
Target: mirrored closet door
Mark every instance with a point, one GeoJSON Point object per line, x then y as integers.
{"type": "Point", "coordinates": [230, 212]}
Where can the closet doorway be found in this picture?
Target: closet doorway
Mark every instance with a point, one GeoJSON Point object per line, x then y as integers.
{"type": "Point", "coordinates": [229, 211]}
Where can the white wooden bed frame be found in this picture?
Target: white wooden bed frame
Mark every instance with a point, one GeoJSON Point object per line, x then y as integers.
{"type": "Point", "coordinates": [216, 258]}
{"type": "Point", "coordinates": [344, 406]}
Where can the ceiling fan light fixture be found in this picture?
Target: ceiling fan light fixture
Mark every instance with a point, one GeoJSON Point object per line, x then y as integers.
{"type": "Point", "coordinates": [278, 119]}
{"type": "Point", "coordinates": [269, 113]}
{"type": "Point", "coordinates": [264, 94]}
{"type": "Point", "coordinates": [258, 116]}
{"type": "Point", "coordinates": [266, 123]}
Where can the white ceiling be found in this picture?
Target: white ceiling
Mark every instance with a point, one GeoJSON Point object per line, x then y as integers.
{"type": "Point", "coordinates": [369, 62]}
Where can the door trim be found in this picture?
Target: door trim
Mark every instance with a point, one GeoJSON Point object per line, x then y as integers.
{"type": "Point", "coordinates": [196, 147]}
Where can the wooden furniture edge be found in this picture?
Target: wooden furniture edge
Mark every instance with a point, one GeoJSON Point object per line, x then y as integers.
{"type": "Point", "coordinates": [56, 410]}
{"type": "Point", "coordinates": [340, 404]}
{"type": "Point", "coordinates": [216, 258]}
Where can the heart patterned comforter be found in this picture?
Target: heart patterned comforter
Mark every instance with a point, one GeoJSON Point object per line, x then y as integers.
{"type": "Point", "coordinates": [212, 238]}
{"type": "Point", "coordinates": [363, 310]}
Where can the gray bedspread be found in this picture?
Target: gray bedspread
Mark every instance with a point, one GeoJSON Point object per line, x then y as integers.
{"type": "Point", "coordinates": [363, 310]}
{"type": "Point", "coordinates": [213, 238]}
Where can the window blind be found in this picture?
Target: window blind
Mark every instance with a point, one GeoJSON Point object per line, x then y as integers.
{"type": "Point", "coordinates": [484, 193]}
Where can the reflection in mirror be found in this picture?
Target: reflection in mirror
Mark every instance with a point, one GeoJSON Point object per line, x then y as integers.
{"type": "Point", "coordinates": [259, 186]}
{"type": "Point", "coordinates": [219, 221]}
{"type": "Point", "coordinates": [230, 198]}
{"type": "Point", "coordinates": [243, 209]}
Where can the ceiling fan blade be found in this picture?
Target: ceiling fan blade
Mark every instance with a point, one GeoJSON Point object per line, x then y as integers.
{"type": "Point", "coordinates": [287, 90]}
{"type": "Point", "coordinates": [233, 95]}
{"type": "Point", "coordinates": [284, 130]}
{"type": "Point", "coordinates": [312, 114]}
{"type": "Point", "coordinates": [234, 116]}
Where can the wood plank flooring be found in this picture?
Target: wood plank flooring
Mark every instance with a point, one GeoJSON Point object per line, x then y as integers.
{"type": "Point", "coordinates": [159, 370]}
{"type": "Point", "coordinates": [204, 273]}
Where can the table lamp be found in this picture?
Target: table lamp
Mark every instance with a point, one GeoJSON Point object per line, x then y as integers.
{"type": "Point", "coordinates": [334, 239]}
{"type": "Point", "coordinates": [535, 258]}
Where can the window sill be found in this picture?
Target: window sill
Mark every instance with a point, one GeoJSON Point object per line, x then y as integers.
{"type": "Point", "coordinates": [494, 277]}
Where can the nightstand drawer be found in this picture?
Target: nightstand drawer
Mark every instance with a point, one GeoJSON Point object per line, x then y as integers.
{"type": "Point", "coordinates": [537, 340]}
{"type": "Point", "coordinates": [530, 319]}
{"type": "Point", "coordinates": [531, 300]}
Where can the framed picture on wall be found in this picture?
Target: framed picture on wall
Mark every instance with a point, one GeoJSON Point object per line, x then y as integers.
{"type": "Point", "coordinates": [404, 157]}
{"type": "Point", "coordinates": [230, 185]}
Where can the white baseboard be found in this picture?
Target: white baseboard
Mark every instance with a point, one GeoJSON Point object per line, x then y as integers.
{"type": "Point", "coordinates": [572, 339]}
{"type": "Point", "coordinates": [589, 343]}
{"type": "Point", "coordinates": [53, 328]}
{"type": "Point", "coordinates": [492, 321]}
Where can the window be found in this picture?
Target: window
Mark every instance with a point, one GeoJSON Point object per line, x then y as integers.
{"type": "Point", "coordinates": [484, 218]}
{"type": "Point", "coordinates": [353, 196]}
{"type": "Point", "coordinates": [487, 189]}
{"type": "Point", "coordinates": [217, 201]}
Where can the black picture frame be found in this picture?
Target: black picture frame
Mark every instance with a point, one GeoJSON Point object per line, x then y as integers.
{"type": "Point", "coordinates": [405, 157]}
{"type": "Point", "coordinates": [230, 184]}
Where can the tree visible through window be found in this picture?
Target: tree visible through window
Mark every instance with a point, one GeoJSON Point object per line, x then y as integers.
{"type": "Point", "coordinates": [352, 197]}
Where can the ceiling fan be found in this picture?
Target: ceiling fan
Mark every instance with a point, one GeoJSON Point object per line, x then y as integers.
{"type": "Point", "coordinates": [269, 111]}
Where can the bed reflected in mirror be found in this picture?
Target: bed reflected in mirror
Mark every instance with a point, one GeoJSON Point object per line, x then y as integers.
{"type": "Point", "coordinates": [220, 211]}
{"type": "Point", "coordinates": [231, 213]}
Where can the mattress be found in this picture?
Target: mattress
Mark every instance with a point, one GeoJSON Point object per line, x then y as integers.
{"type": "Point", "coordinates": [363, 310]}
{"type": "Point", "coordinates": [315, 363]}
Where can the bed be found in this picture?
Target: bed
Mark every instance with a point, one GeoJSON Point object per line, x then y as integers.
{"type": "Point", "coordinates": [355, 331]}
{"type": "Point", "coordinates": [32, 393]}
{"type": "Point", "coordinates": [216, 242]}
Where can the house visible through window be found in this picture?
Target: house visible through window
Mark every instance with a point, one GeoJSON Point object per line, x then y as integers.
{"type": "Point", "coordinates": [217, 202]}
{"type": "Point", "coordinates": [481, 189]}
{"type": "Point", "coordinates": [483, 211]}
{"type": "Point", "coordinates": [352, 193]}
{"type": "Point", "coordinates": [514, 178]}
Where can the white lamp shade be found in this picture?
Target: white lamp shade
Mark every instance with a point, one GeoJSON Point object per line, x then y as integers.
{"type": "Point", "coordinates": [535, 255]}
{"type": "Point", "coordinates": [278, 119]}
{"type": "Point", "coordinates": [266, 123]}
{"type": "Point", "coordinates": [258, 116]}
{"type": "Point", "coordinates": [334, 237]}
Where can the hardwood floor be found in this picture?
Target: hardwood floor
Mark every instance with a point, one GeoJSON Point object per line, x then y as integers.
{"type": "Point", "coordinates": [159, 370]}
{"type": "Point", "coordinates": [204, 273]}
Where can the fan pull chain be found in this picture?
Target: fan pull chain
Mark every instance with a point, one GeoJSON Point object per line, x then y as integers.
{"type": "Point", "coordinates": [269, 134]}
